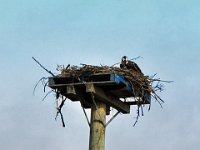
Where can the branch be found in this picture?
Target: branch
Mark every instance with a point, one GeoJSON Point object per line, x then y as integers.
{"type": "Point", "coordinates": [138, 115]}
{"type": "Point", "coordinates": [59, 111]}
{"type": "Point", "coordinates": [136, 58]}
{"type": "Point", "coordinates": [43, 78]}
{"type": "Point", "coordinates": [47, 94]}
{"type": "Point", "coordinates": [43, 67]}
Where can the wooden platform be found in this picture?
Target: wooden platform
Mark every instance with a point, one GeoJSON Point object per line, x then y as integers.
{"type": "Point", "coordinates": [113, 83]}
{"type": "Point", "coordinates": [106, 87]}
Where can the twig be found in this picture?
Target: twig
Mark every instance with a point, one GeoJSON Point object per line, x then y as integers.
{"type": "Point", "coordinates": [138, 115]}
{"type": "Point", "coordinates": [43, 67]}
{"type": "Point", "coordinates": [115, 64]}
{"type": "Point", "coordinates": [59, 108]}
{"type": "Point", "coordinates": [153, 80]}
{"type": "Point", "coordinates": [136, 58]}
{"type": "Point", "coordinates": [45, 85]}
{"type": "Point", "coordinates": [43, 78]}
{"type": "Point", "coordinates": [86, 116]}
{"type": "Point", "coordinates": [47, 95]}
{"type": "Point", "coordinates": [61, 116]}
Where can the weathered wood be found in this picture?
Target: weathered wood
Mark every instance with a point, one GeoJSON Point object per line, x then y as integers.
{"type": "Point", "coordinates": [71, 89]}
{"type": "Point", "coordinates": [115, 84]}
{"type": "Point", "coordinates": [107, 98]}
{"type": "Point", "coordinates": [77, 94]}
{"type": "Point", "coordinates": [97, 126]}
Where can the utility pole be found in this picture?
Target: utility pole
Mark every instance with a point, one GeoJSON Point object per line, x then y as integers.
{"type": "Point", "coordinates": [102, 92]}
{"type": "Point", "coordinates": [97, 126]}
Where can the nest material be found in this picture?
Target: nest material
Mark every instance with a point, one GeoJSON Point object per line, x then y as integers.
{"type": "Point", "coordinates": [141, 84]}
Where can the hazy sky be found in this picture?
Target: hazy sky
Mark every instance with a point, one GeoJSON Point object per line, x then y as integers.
{"type": "Point", "coordinates": [165, 33]}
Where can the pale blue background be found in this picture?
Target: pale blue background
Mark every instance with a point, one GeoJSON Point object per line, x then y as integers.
{"type": "Point", "coordinates": [165, 33]}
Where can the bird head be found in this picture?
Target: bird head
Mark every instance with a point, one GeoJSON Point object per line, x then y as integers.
{"type": "Point", "coordinates": [124, 60]}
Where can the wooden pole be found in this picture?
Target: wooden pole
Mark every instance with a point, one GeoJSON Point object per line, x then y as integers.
{"type": "Point", "coordinates": [97, 126]}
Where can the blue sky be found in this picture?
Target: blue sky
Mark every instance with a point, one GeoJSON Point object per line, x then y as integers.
{"type": "Point", "coordinates": [165, 33]}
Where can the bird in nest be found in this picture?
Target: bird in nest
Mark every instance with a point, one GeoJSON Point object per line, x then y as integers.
{"type": "Point", "coordinates": [128, 64]}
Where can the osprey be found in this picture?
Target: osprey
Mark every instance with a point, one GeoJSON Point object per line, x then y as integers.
{"type": "Point", "coordinates": [125, 63]}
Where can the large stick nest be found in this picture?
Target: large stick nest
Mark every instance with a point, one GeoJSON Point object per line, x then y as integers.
{"type": "Point", "coordinates": [141, 84]}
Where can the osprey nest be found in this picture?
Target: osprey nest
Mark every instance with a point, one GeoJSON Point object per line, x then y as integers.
{"type": "Point", "coordinates": [143, 87]}
{"type": "Point", "coordinates": [140, 83]}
